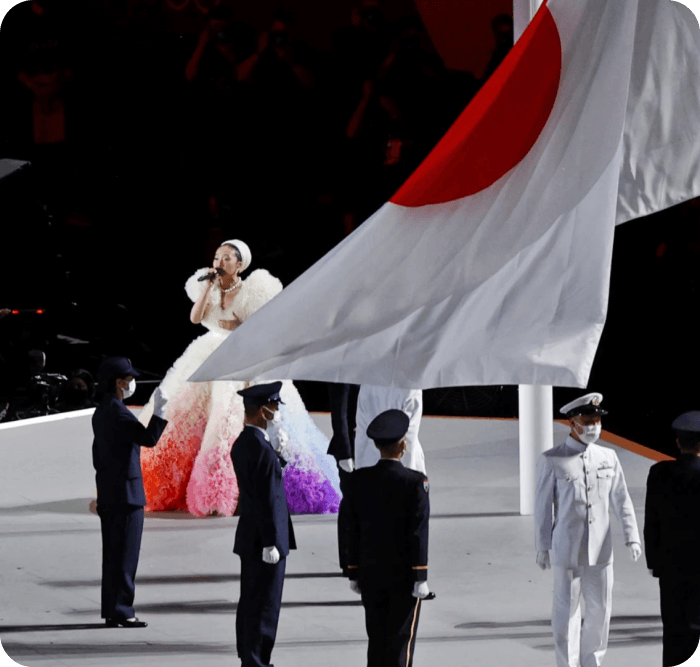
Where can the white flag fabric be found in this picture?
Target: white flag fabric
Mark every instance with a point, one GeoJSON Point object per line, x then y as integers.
{"type": "Point", "coordinates": [491, 264]}
{"type": "Point", "coordinates": [661, 148]}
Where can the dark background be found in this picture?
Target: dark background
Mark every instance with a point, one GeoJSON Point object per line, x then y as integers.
{"type": "Point", "coordinates": [149, 173]}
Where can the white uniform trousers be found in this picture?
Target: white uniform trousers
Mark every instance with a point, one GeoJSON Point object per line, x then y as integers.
{"type": "Point", "coordinates": [576, 644]}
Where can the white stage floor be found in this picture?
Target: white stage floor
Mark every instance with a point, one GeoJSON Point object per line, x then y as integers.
{"type": "Point", "coordinates": [492, 606]}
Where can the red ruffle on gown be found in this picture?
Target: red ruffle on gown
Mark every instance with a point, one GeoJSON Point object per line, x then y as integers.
{"type": "Point", "coordinates": [167, 468]}
{"type": "Point", "coordinates": [190, 468]}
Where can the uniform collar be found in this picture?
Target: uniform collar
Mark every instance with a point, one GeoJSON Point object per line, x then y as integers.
{"type": "Point", "coordinates": [690, 460]}
{"type": "Point", "coordinates": [577, 446]}
{"type": "Point", "coordinates": [111, 399]}
{"type": "Point", "coordinates": [262, 430]}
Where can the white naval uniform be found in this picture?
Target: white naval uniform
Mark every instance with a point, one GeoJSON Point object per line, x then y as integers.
{"type": "Point", "coordinates": [372, 401]}
{"type": "Point", "coordinates": [576, 484]}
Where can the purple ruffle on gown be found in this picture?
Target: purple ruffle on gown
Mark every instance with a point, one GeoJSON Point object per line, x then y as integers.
{"type": "Point", "coordinates": [308, 492]}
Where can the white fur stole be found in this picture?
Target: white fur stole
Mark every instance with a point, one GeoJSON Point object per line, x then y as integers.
{"type": "Point", "coordinates": [256, 290]}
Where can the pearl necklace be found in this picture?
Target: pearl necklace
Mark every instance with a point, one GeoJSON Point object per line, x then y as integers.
{"type": "Point", "coordinates": [233, 287]}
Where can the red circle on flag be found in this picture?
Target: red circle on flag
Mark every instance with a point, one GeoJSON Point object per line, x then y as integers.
{"type": "Point", "coordinates": [499, 126]}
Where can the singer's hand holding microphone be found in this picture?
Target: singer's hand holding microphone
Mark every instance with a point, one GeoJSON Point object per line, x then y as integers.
{"type": "Point", "coordinates": [218, 271]}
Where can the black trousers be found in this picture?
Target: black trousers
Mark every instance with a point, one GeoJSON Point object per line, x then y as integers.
{"type": "Point", "coordinates": [680, 615]}
{"type": "Point", "coordinates": [391, 619]}
{"type": "Point", "coordinates": [258, 610]}
{"type": "Point", "coordinates": [121, 542]}
{"type": "Point", "coordinates": [343, 525]}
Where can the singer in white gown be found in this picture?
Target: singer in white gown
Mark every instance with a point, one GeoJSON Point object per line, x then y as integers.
{"type": "Point", "coordinates": [191, 468]}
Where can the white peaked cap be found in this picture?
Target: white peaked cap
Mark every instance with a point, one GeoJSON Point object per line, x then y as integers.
{"type": "Point", "coordinates": [593, 399]}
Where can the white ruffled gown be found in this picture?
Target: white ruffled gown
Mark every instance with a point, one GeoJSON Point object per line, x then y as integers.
{"type": "Point", "coordinates": [190, 468]}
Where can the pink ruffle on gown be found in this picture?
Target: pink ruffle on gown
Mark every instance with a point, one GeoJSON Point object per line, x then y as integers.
{"type": "Point", "coordinates": [190, 468]}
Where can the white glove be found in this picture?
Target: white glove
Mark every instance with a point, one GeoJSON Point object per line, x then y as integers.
{"type": "Point", "coordinates": [420, 590]}
{"type": "Point", "coordinates": [279, 440]}
{"type": "Point", "coordinates": [278, 436]}
{"type": "Point", "coordinates": [160, 400]}
{"type": "Point", "coordinates": [543, 560]}
{"type": "Point", "coordinates": [348, 465]}
{"type": "Point", "coordinates": [355, 587]}
{"type": "Point", "coordinates": [271, 555]}
{"type": "Point", "coordinates": [635, 551]}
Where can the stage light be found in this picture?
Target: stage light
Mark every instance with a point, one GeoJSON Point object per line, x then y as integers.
{"type": "Point", "coordinates": [40, 311]}
{"type": "Point", "coordinates": [15, 312]}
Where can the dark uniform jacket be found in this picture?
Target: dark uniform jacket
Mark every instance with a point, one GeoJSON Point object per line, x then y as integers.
{"type": "Point", "coordinates": [116, 452]}
{"type": "Point", "coordinates": [672, 517]}
{"type": "Point", "coordinates": [389, 512]}
{"type": "Point", "coordinates": [343, 404]}
{"type": "Point", "coordinates": [264, 515]}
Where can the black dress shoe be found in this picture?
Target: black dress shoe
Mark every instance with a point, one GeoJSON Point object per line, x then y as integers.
{"type": "Point", "coordinates": [123, 623]}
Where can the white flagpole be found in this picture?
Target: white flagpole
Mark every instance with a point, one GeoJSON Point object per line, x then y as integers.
{"type": "Point", "coordinates": [535, 417]}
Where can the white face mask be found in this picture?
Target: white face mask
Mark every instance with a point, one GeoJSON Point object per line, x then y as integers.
{"type": "Point", "coordinates": [129, 391]}
{"type": "Point", "coordinates": [275, 418]}
{"type": "Point", "coordinates": [590, 434]}
{"type": "Point", "coordinates": [278, 437]}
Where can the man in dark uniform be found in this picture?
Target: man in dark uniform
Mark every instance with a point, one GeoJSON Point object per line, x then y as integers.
{"type": "Point", "coordinates": [265, 534]}
{"type": "Point", "coordinates": [672, 538]}
{"type": "Point", "coordinates": [388, 510]}
{"type": "Point", "coordinates": [343, 403]}
{"type": "Point", "coordinates": [116, 451]}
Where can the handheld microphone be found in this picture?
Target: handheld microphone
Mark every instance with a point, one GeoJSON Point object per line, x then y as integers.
{"type": "Point", "coordinates": [211, 276]}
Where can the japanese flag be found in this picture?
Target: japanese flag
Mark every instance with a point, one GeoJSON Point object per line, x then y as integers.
{"type": "Point", "coordinates": [491, 264]}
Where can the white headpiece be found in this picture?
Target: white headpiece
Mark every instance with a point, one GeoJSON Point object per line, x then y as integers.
{"type": "Point", "coordinates": [246, 255]}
